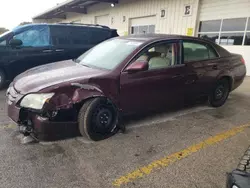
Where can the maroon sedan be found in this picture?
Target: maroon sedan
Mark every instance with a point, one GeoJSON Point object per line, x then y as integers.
{"type": "Point", "coordinates": [120, 76]}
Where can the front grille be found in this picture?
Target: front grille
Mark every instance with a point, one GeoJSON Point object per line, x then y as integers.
{"type": "Point", "coordinates": [12, 95]}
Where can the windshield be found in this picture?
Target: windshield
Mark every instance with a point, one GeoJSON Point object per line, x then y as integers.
{"type": "Point", "coordinates": [108, 54]}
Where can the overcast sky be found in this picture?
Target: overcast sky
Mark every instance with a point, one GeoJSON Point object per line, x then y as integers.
{"type": "Point", "coordinates": [13, 12]}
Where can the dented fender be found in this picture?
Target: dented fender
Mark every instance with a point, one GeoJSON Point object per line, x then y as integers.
{"type": "Point", "coordinates": [79, 92]}
{"type": "Point", "coordinates": [85, 91]}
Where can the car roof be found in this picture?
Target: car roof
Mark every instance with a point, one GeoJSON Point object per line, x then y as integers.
{"type": "Point", "coordinates": [155, 37]}
{"type": "Point", "coordinates": [69, 24]}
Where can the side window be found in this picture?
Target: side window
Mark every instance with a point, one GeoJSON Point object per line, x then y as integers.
{"type": "Point", "coordinates": [37, 36]}
{"type": "Point", "coordinates": [99, 35]}
{"type": "Point", "coordinates": [195, 52]}
{"type": "Point", "coordinates": [60, 35]}
{"type": "Point", "coordinates": [79, 35]}
{"type": "Point", "coordinates": [3, 43]}
{"type": "Point", "coordinates": [160, 56]}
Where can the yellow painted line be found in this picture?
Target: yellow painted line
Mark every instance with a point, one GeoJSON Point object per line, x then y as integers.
{"type": "Point", "coordinates": [168, 160]}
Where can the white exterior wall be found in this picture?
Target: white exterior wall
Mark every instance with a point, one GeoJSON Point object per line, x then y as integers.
{"type": "Point", "coordinates": [223, 9]}
{"type": "Point", "coordinates": [174, 23]}
{"type": "Point", "coordinates": [244, 51]}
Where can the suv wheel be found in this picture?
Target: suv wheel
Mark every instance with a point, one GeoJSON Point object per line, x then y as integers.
{"type": "Point", "coordinates": [98, 119]}
{"type": "Point", "coordinates": [220, 93]}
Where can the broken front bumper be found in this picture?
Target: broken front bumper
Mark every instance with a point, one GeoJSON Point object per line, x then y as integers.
{"type": "Point", "coordinates": [42, 127]}
{"type": "Point", "coordinates": [240, 178]}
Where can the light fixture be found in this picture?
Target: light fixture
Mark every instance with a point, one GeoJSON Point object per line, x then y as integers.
{"type": "Point", "coordinates": [112, 4]}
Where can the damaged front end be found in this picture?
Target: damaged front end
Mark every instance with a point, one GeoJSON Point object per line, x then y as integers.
{"type": "Point", "coordinates": [45, 116]}
{"type": "Point", "coordinates": [48, 125]}
{"type": "Point", "coordinates": [51, 114]}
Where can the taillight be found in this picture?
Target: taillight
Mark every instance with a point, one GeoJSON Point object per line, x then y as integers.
{"type": "Point", "coordinates": [242, 60]}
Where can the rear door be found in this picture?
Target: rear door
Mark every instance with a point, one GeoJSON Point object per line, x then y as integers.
{"type": "Point", "coordinates": [202, 66]}
{"type": "Point", "coordinates": [79, 38]}
{"type": "Point", "coordinates": [36, 50]}
{"type": "Point", "coordinates": [61, 43]}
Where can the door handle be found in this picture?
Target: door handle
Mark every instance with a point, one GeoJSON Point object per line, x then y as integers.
{"type": "Point", "coordinates": [215, 67]}
{"type": "Point", "coordinates": [189, 81]}
{"type": "Point", "coordinates": [59, 50]}
{"type": "Point", "coordinates": [47, 51]}
{"type": "Point", "coordinates": [178, 76]}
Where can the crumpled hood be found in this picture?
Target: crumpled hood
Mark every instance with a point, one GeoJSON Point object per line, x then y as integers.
{"type": "Point", "coordinates": [41, 77]}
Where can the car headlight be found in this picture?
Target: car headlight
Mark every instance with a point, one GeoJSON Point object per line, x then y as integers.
{"type": "Point", "coordinates": [35, 101]}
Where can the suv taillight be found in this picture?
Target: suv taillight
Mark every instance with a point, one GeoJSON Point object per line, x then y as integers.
{"type": "Point", "coordinates": [242, 60]}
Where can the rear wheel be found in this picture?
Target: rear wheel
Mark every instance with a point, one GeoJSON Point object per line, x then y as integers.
{"type": "Point", "coordinates": [98, 119]}
{"type": "Point", "coordinates": [2, 79]}
{"type": "Point", "coordinates": [220, 93]}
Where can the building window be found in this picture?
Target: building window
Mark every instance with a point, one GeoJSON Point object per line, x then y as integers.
{"type": "Point", "coordinates": [226, 31]}
{"type": "Point", "coordinates": [210, 26]}
{"type": "Point", "coordinates": [248, 24]}
{"type": "Point", "coordinates": [143, 29]}
{"type": "Point", "coordinates": [247, 39]}
{"type": "Point", "coordinates": [212, 37]}
{"type": "Point", "coordinates": [231, 38]}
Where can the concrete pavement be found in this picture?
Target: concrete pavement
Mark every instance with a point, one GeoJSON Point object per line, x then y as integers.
{"type": "Point", "coordinates": [78, 163]}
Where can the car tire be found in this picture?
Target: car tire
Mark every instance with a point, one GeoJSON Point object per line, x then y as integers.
{"type": "Point", "coordinates": [98, 119]}
{"type": "Point", "coordinates": [2, 79]}
{"type": "Point", "coordinates": [220, 93]}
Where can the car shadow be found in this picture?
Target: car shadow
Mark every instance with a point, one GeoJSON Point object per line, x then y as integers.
{"type": "Point", "coordinates": [129, 120]}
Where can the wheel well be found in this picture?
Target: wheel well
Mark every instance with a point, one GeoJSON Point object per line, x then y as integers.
{"type": "Point", "coordinates": [79, 105]}
{"type": "Point", "coordinates": [229, 79]}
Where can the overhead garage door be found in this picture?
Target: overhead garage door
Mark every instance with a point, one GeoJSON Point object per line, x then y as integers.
{"type": "Point", "coordinates": [142, 25]}
{"type": "Point", "coordinates": [102, 20]}
{"type": "Point", "coordinates": [228, 24]}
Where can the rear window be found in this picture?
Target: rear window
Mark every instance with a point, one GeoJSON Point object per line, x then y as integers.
{"type": "Point", "coordinates": [60, 35]}
{"type": "Point", "coordinates": [99, 35]}
{"type": "Point", "coordinates": [196, 51]}
{"type": "Point", "coordinates": [79, 35]}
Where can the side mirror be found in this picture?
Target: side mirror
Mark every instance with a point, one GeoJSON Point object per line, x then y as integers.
{"type": "Point", "coordinates": [137, 66]}
{"type": "Point", "coordinates": [15, 42]}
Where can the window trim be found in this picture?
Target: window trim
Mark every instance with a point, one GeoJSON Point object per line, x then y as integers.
{"type": "Point", "coordinates": [148, 46]}
{"type": "Point", "coordinates": [245, 31]}
{"type": "Point", "coordinates": [207, 45]}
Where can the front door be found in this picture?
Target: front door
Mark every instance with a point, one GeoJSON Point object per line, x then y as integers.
{"type": "Point", "coordinates": [35, 50]}
{"type": "Point", "coordinates": [160, 86]}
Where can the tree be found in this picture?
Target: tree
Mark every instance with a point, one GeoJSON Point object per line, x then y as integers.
{"type": "Point", "coordinates": [25, 23]}
{"type": "Point", "coordinates": [2, 30]}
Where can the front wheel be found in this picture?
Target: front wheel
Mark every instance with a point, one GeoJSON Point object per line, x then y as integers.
{"type": "Point", "coordinates": [220, 93]}
{"type": "Point", "coordinates": [98, 119]}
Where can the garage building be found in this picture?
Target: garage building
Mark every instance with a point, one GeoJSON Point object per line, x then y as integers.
{"type": "Point", "coordinates": [226, 22]}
